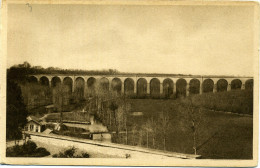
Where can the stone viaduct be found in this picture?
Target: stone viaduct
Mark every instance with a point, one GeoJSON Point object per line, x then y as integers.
{"type": "Point", "coordinates": [149, 85]}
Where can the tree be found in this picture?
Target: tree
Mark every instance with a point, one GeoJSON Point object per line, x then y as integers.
{"type": "Point", "coordinates": [113, 107]}
{"type": "Point", "coordinates": [151, 126]}
{"type": "Point", "coordinates": [164, 120]}
{"type": "Point", "coordinates": [35, 95]}
{"type": "Point", "coordinates": [134, 129]}
{"type": "Point", "coordinates": [147, 128]}
{"type": "Point", "coordinates": [16, 111]}
{"type": "Point", "coordinates": [193, 115]}
{"type": "Point", "coordinates": [60, 94]}
{"type": "Point", "coordinates": [122, 115]}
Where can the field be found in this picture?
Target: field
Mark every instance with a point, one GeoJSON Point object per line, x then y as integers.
{"type": "Point", "coordinates": [221, 135]}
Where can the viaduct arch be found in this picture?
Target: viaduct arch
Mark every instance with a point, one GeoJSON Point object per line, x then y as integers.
{"type": "Point", "coordinates": [168, 88]}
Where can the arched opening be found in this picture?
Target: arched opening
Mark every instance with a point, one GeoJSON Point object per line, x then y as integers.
{"type": "Point", "coordinates": [208, 85]}
{"type": "Point", "coordinates": [181, 85]}
{"type": "Point", "coordinates": [79, 88]}
{"type": "Point", "coordinates": [129, 87]}
{"type": "Point", "coordinates": [117, 85]}
{"type": "Point", "coordinates": [249, 85]}
{"type": "Point", "coordinates": [55, 81]}
{"type": "Point", "coordinates": [58, 92]}
{"type": "Point", "coordinates": [236, 84]}
{"type": "Point", "coordinates": [67, 82]}
{"type": "Point", "coordinates": [155, 88]}
{"type": "Point", "coordinates": [32, 79]}
{"type": "Point", "coordinates": [194, 86]}
{"type": "Point", "coordinates": [104, 85]}
{"type": "Point", "coordinates": [222, 85]}
{"type": "Point", "coordinates": [44, 81]}
{"type": "Point", "coordinates": [91, 84]}
{"type": "Point", "coordinates": [168, 88]}
{"type": "Point", "coordinates": [141, 88]}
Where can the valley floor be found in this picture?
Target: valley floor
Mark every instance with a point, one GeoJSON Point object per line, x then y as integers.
{"type": "Point", "coordinates": [221, 135]}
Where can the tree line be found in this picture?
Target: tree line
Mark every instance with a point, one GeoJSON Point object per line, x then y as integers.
{"type": "Point", "coordinates": [27, 68]}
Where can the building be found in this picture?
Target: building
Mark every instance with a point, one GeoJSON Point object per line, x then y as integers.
{"type": "Point", "coordinates": [34, 124]}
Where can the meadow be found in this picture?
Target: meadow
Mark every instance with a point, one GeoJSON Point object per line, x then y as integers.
{"type": "Point", "coordinates": [221, 135]}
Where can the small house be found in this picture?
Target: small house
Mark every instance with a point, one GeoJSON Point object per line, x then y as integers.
{"type": "Point", "coordinates": [34, 124]}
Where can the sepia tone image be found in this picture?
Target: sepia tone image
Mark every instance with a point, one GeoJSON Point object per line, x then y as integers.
{"type": "Point", "coordinates": [130, 83]}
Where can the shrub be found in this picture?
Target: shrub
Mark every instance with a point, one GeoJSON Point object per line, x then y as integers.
{"type": "Point", "coordinates": [42, 151]}
{"type": "Point", "coordinates": [55, 155]}
{"type": "Point", "coordinates": [85, 155]}
{"type": "Point", "coordinates": [28, 149]}
{"type": "Point", "coordinates": [14, 151]}
{"type": "Point", "coordinates": [70, 153]}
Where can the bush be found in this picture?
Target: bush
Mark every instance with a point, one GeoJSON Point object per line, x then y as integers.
{"type": "Point", "coordinates": [85, 155]}
{"type": "Point", "coordinates": [28, 149]}
{"type": "Point", "coordinates": [14, 151]}
{"type": "Point", "coordinates": [42, 151]}
{"type": "Point", "coordinates": [70, 153]}
{"type": "Point", "coordinates": [55, 155]}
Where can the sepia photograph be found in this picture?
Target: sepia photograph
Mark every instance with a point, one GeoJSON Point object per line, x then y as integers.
{"type": "Point", "coordinates": [129, 83]}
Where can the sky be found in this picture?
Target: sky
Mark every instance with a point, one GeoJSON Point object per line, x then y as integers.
{"type": "Point", "coordinates": [199, 40]}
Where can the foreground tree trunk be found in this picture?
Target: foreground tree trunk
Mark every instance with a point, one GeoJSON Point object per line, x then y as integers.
{"type": "Point", "coordinates": [147, 139]}
{"type": "Point", "coordinates": [153, 141]}
{"type": "Point", "coordinates": [194, 139]}
{"type": "Point", "coordinates": [126, 136]}
{"type": "Point", "coordinates": [164, 143]}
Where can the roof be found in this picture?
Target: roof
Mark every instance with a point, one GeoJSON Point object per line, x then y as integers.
{"type": "Point", "coordinates": [37, 123]}
{"type": "Point", "coordinates": [47, 131]}
{"type": "Point", "coordinates": [35, 119]}
{"type": "Point", "coordinates": [50, 106]}
{"type": "Point", "coordinates": [137, 113]}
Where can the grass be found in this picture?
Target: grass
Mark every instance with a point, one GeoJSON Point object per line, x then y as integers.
{"type": "Point", "coordinates": [221, 135]}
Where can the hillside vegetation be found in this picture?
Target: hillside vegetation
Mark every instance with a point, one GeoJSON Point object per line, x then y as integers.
{"type": "Point", "coordinates": [237, 101]}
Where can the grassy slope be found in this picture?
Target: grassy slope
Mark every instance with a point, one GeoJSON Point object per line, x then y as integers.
{"type": "Point", "coordinates": [233, 133]}
{"type": "Point", "coordinates": [237, 101]}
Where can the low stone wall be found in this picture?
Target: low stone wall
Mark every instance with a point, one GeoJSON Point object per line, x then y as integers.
{"type": "Point", "coordinates": [104, 149]}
